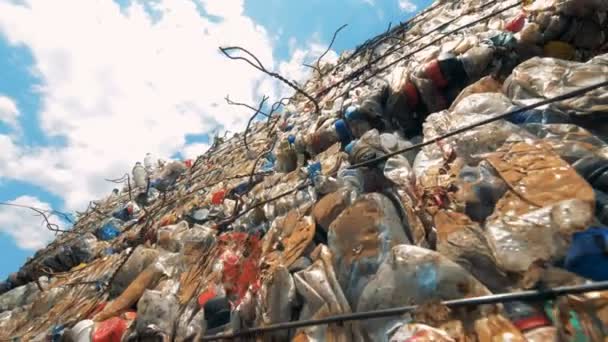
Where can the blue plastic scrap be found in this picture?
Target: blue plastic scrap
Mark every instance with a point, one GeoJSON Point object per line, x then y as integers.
{"type": "Point", "coordinates": [108, 232]}
{"type": "Point", "coordinates": [314, 170]}
{"type": "Point", "coordinates": [587, 255]}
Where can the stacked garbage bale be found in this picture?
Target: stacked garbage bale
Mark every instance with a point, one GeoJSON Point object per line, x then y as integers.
{"type": "Point", "coordinates": [370, 203]}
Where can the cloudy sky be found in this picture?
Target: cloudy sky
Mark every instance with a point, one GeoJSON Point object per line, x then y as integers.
{"type": "Point", "coordinates": [87, 87]}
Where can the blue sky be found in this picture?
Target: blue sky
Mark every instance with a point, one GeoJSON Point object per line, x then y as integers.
{"type": "Point", "coordinates": [87, 87]}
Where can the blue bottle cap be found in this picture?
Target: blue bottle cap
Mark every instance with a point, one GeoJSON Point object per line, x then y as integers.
{"type": "Point", "coordinates": [352, 113]}
{"type": "Point", "coordinates": [292, 139]}
{"type": "Point", "coordinates": [344, 134]}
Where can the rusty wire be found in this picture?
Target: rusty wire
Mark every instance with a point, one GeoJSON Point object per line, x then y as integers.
{"type": "Point", "coordinates": [260, 106]}
{"type": "Point", "coordinates": [317, 66]}
{"type": "Point", "coordinates": [121, 180]}
{"type": "Point", "coordinates": [230, 102]}
{"type": "Point", "coordinates": [259, 66]}
{"type": "Point", "coordinates": [44, 213]}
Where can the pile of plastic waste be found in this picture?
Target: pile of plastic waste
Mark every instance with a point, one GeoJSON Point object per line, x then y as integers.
{"type": "Point", "coordinates": [425, 178]}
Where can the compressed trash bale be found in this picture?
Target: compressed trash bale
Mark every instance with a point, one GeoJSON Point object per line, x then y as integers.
{"type": "Point", "coordinates": [327, 209]}
{"type": "Point", "coordinates": [361, 238]}
{"type": "Point", "coordinates": [537, 177]}
{"type": "Point", "coordinates": [413, 275]}
{"type": "Point", "coordinates": [571, 142]}
{"type": "Point", "coordinates": [546, 203]}
{"type": "Point", "coordinates": [541, 78]}
{"type": "Point", "coordinates": [485, 85]}
{"type": "Point", "coordinates": [517, 242]}
{"type": "Point", "coordinates": [276, 299]}
{"type": "Point", "coordinates": [472, 144]}
{"type": "Point", "coordinates": [463, 241]}
{"type": "Point", "coordinates": [480, 188]}
{"type": "Point", "coordinates": [288, 238]}
{"type": "Point", "coordinates": [322, 296]}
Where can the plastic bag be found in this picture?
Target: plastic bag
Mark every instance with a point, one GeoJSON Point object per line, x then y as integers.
{"type": "Point", "coordinates": [158, 311]}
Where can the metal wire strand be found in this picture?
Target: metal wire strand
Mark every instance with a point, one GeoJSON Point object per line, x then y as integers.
{"type": "Point", "coordinates": [531, 295]}
{"type": "Point", "coordinates": [230, 102]}
{"type": "Point", "coordinates": [317, 66]}
{"type": "Point", "coordinates": [41, 212]}
{"type": "Point", "coordinates": [259, 66]}
{"type": "Point", "coordinates": [121, 180]}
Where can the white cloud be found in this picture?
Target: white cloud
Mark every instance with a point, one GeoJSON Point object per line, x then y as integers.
{"type": "Point", "coordinates": [192, 151]}
{"type": "Point", "coordinates": [118, 84]}
{"type": "Point", "coordinates": [8, 111]}
{"type": "Point", "coordinates": [24, 225]}
{"type": "Point", "coordinates": [407, 6]}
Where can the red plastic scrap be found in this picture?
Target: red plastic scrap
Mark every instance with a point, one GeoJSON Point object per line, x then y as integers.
{"type": "Point", "coordinates": [110, 330]}
{"type": "Point", "coordinates": [218, 197]}
{"type": "Point", "coordinates": [240, 258]}
{"type": "Point", "coordinates": [209, 294]}
{"type": "Point", "coordinates": [516, 24]}
{"type": "Point", "coordinates": [433, 72]}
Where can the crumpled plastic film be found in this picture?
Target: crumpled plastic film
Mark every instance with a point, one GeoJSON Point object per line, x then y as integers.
{"type": "Point", "coordinates": [542, 78]}
{"type": "Point", "coordinates": [413, 275]}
